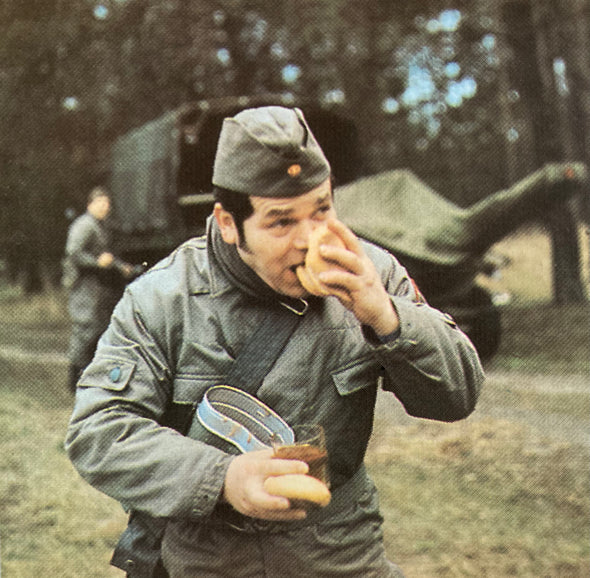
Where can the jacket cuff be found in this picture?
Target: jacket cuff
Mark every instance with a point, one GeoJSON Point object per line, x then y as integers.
{"type": "Point", "coordinates": [419, 323]}
{"type": "Point", "coordinates": [208, 491]}
{"type": "Point", "coordinates": [377, 340]}
{"type": "Point", "coordinates": [406, 334]}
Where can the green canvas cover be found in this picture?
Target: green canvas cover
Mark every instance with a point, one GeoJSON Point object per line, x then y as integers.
{"type": "Point", "coordinates": [143, 177]}
{"type": "Point", "coordinates": [398, 211]}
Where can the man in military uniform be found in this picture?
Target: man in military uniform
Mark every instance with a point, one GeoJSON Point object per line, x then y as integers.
{"type": "Point", "coordinates": [178, 329]}
{"type": "Point", "coordinates": [92, 275]}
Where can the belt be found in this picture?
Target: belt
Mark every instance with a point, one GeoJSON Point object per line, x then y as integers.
{"type": "Point", "coordinates": [241, 419]}
{"type": "Point", "coordinates": [343, 497]}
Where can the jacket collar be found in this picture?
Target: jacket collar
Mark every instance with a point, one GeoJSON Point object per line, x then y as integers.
{"type": "Point", "coordinates": [227, 271]}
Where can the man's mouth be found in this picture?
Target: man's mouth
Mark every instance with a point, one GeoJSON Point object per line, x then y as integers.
{"type": "Point", "coordinates": [294, 268]}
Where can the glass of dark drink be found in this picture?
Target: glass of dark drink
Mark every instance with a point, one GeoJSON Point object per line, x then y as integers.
{"type": "Point", "coordinates": [309, 447]}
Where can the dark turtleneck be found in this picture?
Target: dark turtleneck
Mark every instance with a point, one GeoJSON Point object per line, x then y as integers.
{"type": "Point", "coordinates": [241, 275]}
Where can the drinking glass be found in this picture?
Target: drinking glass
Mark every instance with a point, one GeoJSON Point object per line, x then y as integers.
{"type": "Point", "coordinates": [309, 447]}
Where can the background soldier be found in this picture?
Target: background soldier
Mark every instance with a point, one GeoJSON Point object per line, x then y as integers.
{"type": "Point", "coordinates": [93, 276]}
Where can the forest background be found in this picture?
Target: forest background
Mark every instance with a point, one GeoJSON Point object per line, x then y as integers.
{"type": "Point", "coordinates": [470, 95]}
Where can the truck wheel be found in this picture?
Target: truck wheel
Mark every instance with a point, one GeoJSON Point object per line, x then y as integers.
{"type": "Point", "coordinates": [480, 319]}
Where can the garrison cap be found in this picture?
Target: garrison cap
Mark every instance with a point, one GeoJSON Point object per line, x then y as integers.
{"type": "Point", "coordinates": [269, 152]}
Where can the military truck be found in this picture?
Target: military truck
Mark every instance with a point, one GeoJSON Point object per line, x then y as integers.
{"type": "Point", "coordinates": [446, 247]}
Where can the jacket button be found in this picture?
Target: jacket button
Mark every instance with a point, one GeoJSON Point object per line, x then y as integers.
{"type": "Point", "coordinates": [130, 563]}
{"type": "Point", "coordinates": [115, 374]}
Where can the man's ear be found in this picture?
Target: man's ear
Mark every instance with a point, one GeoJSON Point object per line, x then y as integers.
{"type": "Point", "coordinates": [226, 223]}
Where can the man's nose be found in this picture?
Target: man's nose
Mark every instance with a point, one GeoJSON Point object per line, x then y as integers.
{"type": "Point", "coordinates": [302, 234]}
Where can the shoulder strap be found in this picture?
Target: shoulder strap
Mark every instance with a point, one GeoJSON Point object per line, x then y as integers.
{"type": "Point", "coordinates": [140, 542]}
{"type": "Point", "coordinates": [252, 363]}
{"type": "Point", "coordinates": [258, 356]}
{"type": "Point", "coordinates": [210, 422]}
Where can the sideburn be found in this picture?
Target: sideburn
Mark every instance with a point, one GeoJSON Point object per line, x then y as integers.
{"type": "Point", "coordinates": [242, 243]}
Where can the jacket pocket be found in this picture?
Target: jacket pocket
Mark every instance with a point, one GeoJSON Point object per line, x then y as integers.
{"type": "Point", "coordinates": [356, 376]}
{"type": "Point", "coordinates": [350, 420]}
{"type": "Point", "coordinates": [112, 374]}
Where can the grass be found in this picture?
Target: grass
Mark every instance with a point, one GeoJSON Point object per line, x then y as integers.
{"type": "Point", "coordinates": [526, 329]}
{"type": "Point", "coordinates": [39, 321]}
{"type": "Point", "coordinates": [38, 310]}
{"type": "Point", "coordinates": [51, 522]}
{"type": "Point", "coordinates": [570, 404]}
{"type": "Point", "coordinates": [475, 499]}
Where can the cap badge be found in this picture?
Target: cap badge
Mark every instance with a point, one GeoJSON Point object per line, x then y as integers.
{"type": "Point", "coordinates": [294, 171]}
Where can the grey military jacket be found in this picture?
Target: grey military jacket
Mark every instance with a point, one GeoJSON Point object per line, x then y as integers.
{"type": "Point", "coordinates": [93, 290]}
{"type": "Point", "coordinates": [176, 332]}
{"type": "Point", "coordinates": [87, 239]}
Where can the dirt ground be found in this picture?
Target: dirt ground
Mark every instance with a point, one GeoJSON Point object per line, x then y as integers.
{"type": "Point", "coordinates": [497, 401]}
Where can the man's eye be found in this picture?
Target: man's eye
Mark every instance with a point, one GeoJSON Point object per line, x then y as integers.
{"type": "Point", "coordinates": [323, 210]}
{"type": "Point", "coordinates": [281, 223]}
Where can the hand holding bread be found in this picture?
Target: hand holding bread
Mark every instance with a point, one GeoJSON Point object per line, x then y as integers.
{"type": "Point", "coordinates": [337, 265]}
{"type": "Point", "coordinates": [315, 264]}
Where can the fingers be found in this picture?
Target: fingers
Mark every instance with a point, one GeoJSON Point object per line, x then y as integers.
{"type": "Point", "coordinates": [348, 237]}
{"type": "Point", "coordinates": [268, 502]}
{"type": "Point", "coordinates": [350, 257]}
{"type": "Point", "coordinates": [244, 485]}
{"type": "Point", "coordinates": [355, 281]}
{"type": "Point", "coordinates": [278, 467]}
{"type": "Point", "coordinates": [271, 466]}
{"type": "Point", "coordinates": [349, 271]}
{"type": "Point", "coordinates": [344, 277]}
{"type": "Point", "coordinates": [337, 280]}
{"type": "Point", "coordinates": [344, 259]}
{"type": "Point", "coordinates": [268, 507]}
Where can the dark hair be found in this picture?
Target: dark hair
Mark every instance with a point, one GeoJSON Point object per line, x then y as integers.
{"type": "Point", "coordinates": [97, 192]}
{"type": "Point", "coordinates": [238, 205]}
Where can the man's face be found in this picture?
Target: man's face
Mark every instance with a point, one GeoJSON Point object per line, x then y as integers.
{"type": "Point", "coordinates": [100, 207]}
{"type": "Point", "coordinates": [276, 234]}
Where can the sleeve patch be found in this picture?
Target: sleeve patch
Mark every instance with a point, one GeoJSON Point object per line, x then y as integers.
{"type": "Point", "coordinates": [418, 298]}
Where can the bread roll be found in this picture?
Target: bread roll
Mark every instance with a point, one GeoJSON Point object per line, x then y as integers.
{"type": "Point", "coordinates": [315, 263]}
{"type": "Point", "coordinates": [299, 487]}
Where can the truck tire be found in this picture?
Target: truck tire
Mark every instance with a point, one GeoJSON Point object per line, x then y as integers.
{"type": "Point", "coordinates": [480, 319]}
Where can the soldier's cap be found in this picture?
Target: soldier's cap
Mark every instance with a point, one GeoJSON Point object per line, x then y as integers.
{"type": "Point", "coordinates": [269, 152]}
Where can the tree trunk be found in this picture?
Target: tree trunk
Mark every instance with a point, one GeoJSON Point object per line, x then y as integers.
{"type": "Point", "coordinates": [547, 19]}
{"type": "Point", "coordinates": [567, 283]}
